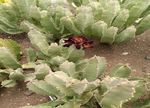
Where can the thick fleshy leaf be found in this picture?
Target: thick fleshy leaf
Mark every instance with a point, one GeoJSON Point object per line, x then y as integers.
{"type": "Point", "coordinates": [114, 98]}
{"type": "Point", "coordinates": [41, 71]}
{"type": "Point", "coordinates": [13, 46]}
{"type": "Point", "coordinates": [110, 82]}
{"type": "Point", "coordinates": [29, 65]}
{"type": "Point", "coordinates": [81, 87]}
{"type": "Point", "coordinates": [26, 26]}
{"type": "Point", "coordinates": [140, 90]}
{"type": "Point", "coordinates": [44, 4]}
{"type": "Point", "coordinates": [110, 10]}
{"type": "Point", "coordinates": [8, 83]}
{"type": "Point", "coordinates": [42, 88]}
{"type": "Point", "coordinates": [69, 68]}
{"type": "Point", "coordinates": [9, 19]}
{"type": "Point", "coordinates": [69, 24]}
{"type": "Point", "coordinates": [54, 50]}
{"type": "Point", "coordinates": [94, 68]}
{"type": "Point", "coordinates": [17, 74]}
{"type": "Point", "coordinates": [8, 60]}
{"type": "Point", "coordinates": [58, 60]}
{"type": "Point", "coordinates": [98, 29]}
{"type": "Point", "coordinates": [59, 80]}
{"type": "Point", "coordinates": [120, 70]}
{"type": "Point", "coordinates": [39, 40]}
{"type": "Point", "coordinates": [143, 25]}
{"type": "Point", "coordinates": [136, 10]}
{"type": "Point", "coordinates": [47, 22]}
{"type": "Point", "coordinates": [31, 55]}
{"type": "Point", "coordinates": [140, 104]}
{"type": "Point", "coordinates": [4, 73]}
{"type": "Point", "coordinates": [84, 19]}
{"type": "Point", "coordinates": [29, 77]}
{"type": "Point", "coordinates": [34, 13]}
{"type": "Point", "coordinates": [126, 35]}
{"type": "Point", "coordinates": [109, 35]}
{"type": "Point", "coordinates": [121, 18]}
{"type": "Point", "coordinates": [97, 9]}
{"type": "Point", "coordinates": [72, 54]}
{"type": "Point", "coordinates": [24, 6]}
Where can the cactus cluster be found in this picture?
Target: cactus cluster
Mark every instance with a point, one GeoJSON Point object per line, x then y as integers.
{"type": "Point", "coordinates": [76, 82]}
{"type": "Point", "coordinates": [62, 73]}
{"type": "Point", "coordinates": [68, 78]}
{"type": "Point", "coordinates": [72, 81]}
{"type": "Point", "coordinates": [109, 21]}
{"type": "Point", "coordinates": [10, 68]}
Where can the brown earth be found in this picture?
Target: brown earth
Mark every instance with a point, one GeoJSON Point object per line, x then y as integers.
{"type": "Point", "coordinates": [135, 53]}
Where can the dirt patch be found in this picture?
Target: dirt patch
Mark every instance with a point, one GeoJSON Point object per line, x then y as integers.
{"type": "Point", "coordinates": [17, 97]}
{"type": "Point", "coordinates": [136, 53]}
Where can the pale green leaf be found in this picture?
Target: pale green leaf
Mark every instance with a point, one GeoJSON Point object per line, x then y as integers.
{"type": "Point", "coordinates": [31, 55]}
{"type": "Point", "coordinates": [42, 88]}
{"type": "Point", "coordinates": [13, 46]}
{"type": "Point", "coordinates": [136, 11]}
{"type": "Point", "coordinates": [110, 9]}
{"type": "Point", "coordinates": [41, 71]}
{"type": "Point", "coordinates": [39, 40]}
{"type": "Point", "coordinates": [69, 24]}
{"type": "Point", "coordinates": [143, 25]}
{"type": "Point", "coordinates": [54, 50]}
{"type": "Point", "coordinates": [109, 35]}
{"type": "Point", "coordinates": [8, 83]}
{"type": "Point", "coordinates": [116, 96]}
{"type": "Point", "coordinates": [98, 29]}
{"type": "Point", "coordinates": [7, 59]}
{"type": "Point", "coordinates": [17, 74]}
{"type": "Point", "coordinates": [94, 68]}
{"type": "Point", "coordinates": [72, 54]}
{"type": "Point", "coordinates": [84, 19]}
{"type": "Point", "coordinates": [121, 18]}
{"type": "Point", "coordinates": [59, 80]}
{"type": "Point", "coordinates": [126, 35]}
{"type": "Point", "coordinates": [120, 70]}
{"type": "Point", "coordinates": [69, 68]}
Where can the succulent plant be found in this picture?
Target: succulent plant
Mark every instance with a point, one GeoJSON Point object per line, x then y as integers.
{"type": "Point", "coordinates": [63, 73]}
{"type": "Point", "coordinates": [72, 81]}
{"type": "Point", "coordinates": [9, 54]}
{"type": "Point", "coordinates": [10, 68]}
{"type": "Point", "coordinates": [109, 21]}
{"type": "Point", "coordinates": [75, 87]}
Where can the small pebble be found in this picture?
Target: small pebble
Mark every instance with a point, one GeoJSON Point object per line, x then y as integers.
{"type": "Point", "coordinates": [125, 53]}
{"type": "Point", "coordinates": [28, 93]}
{"type": "Point", "coordinates": [41, 100]}
{"type": "Point", "coordinates": [147, 57]}
{"type": "Point", "coordinates": [28, 104]}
